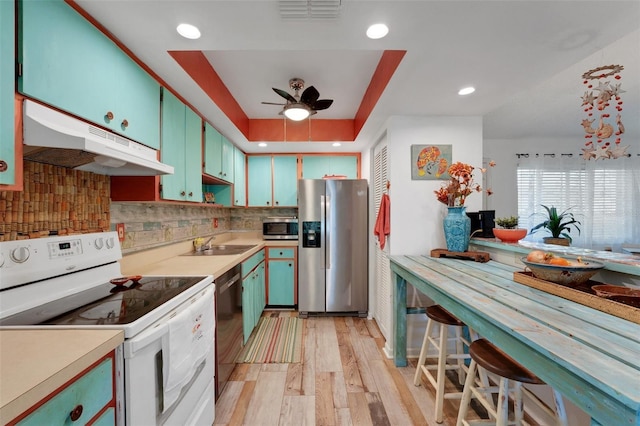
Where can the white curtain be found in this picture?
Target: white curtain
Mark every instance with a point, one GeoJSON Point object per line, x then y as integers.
{"type": "Point", "coordinates": [604, 196]}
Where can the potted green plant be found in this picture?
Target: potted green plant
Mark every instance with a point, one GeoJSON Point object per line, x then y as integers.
{"type": "Point", "coordinates": [508, 231]}
{"type": "Point", "coordinates": [559, 225]}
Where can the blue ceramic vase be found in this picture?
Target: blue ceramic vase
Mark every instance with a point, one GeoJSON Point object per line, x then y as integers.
{"type": "Point", "coordinates": [457, 229]}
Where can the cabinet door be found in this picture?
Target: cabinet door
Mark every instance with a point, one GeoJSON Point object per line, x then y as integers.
{"type": "Point", "coordinates": [259, 175]}
{"type": "Point", "coordinates": [239, 186]}
{"type": "Point", "coordinates": [92, 391]}
{"type": "Point", "coordinates": [173, 146]}
{"type": "Point", "coordinates": [285, 180]}
{"type": "Point", "coordinates": [226, 155]}
{"type": "Point", "coordinates": [212, 151]}
{"type": "Point", "coordinates": [69, 63]}
{"type": "Point", "coordinates": [281, 281]}
{"type": "Point", "coordinates": [193, 156]}
{"type": "Point", "coordinates": [319, 166]}
{"type": "Point", "coordinates": [7, 78]}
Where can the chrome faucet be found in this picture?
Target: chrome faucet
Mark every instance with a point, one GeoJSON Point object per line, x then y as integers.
{"type": "Point", "coordinates": [207, 244]}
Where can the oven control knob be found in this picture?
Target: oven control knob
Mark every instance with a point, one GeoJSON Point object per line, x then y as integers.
{"type": "Point", "coordinates": [111, 243]}
{"type": "Point", "coordinates": [99, 243]}
{"type": "Point", "coordinates": [20, 254]}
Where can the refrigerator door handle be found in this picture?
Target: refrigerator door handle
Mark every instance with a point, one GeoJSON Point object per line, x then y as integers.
{"type": "Point", "coordinates": [326, 226]}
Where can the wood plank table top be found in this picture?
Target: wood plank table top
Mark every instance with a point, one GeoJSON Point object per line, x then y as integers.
{"type": "Point", "coordinates": [591, 357]}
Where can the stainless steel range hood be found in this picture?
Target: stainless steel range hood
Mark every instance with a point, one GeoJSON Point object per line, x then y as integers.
{"type": "Point", "coordinates": [55, 138]}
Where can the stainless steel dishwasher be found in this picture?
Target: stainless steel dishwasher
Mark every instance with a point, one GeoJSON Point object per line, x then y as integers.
{"type": "Point", "coordinates": [229, 339]}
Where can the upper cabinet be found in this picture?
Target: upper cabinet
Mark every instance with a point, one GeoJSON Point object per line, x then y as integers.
{"type": "Point", "coordinates": [320, 166]}
{"type": "Point", "coordinates": [7, 81]}
{"type": "Point", "coordinates": [182, 149]}
{"type": "Point", "coordinates": [218, 155]}
{"type": "Point", "coordinates": [273, 180]}
{"type": "Point", "coordinates": [67, 62]}
{"type": "Point", "coordinates": [239, 178]}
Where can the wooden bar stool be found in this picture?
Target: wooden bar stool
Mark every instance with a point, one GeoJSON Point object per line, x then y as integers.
{"type": "Point", "coordinates": [441, 318]}
{"type": "Point", "coordinates": [492, 359]}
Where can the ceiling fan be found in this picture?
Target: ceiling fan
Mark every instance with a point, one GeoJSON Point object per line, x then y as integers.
{"type": "Point", "coordinates": [299, 107]}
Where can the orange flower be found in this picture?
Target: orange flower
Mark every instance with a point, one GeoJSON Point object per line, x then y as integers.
{"type": "Point", "coordinates": [460, 185]}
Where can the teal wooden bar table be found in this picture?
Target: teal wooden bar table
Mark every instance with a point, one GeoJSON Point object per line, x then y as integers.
{"type": "Point", "coordinates": [591, 357]}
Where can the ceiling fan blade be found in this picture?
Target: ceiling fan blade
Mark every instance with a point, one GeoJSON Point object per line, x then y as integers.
{"type": "Point", "coordinates": [272, 103]}
{"type": "Point", "coordinates": [322, 104]}
{"type": "Point", "coordinates": [285, 95]}
{"type": "Point", "coordinates": [309, 96]}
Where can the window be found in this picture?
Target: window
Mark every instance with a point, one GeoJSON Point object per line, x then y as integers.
{"type": "Point", "coordinates": [604, 196]}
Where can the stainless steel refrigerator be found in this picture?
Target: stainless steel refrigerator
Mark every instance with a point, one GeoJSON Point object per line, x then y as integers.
{"type": "Point", "coordinates": [332, 246]}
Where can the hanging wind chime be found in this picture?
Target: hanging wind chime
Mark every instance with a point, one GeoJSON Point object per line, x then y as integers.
{"type": "Point", "coordinates": [599, 102]}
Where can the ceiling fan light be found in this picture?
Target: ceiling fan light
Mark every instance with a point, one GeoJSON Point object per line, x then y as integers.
{"type": "Point", "coordinates": [296, 112]}
{"type": "Point", "coordinates": [377, 31]}
{"type": "Point", "coordinates": [188, 31]}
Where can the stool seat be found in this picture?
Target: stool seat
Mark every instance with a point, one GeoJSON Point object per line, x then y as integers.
{"type": "Point", "coordinates": [438, 314]}
{"type": "Point", "coordinates": [494, 360]}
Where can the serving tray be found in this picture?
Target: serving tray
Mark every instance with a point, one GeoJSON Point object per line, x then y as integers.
{"type": "Point", "coordinates": [582, 294]}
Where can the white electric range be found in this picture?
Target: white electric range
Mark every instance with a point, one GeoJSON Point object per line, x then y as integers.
{"type": "Point", "coordinates": [165, 367]}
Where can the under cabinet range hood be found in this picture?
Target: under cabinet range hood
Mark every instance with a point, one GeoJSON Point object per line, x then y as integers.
{"type": "Point", "coordinates": [59, 139]}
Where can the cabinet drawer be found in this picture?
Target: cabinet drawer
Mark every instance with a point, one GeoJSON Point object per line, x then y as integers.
{"type": "Point", "coordinates": [281, 253]}
{"type": "Point", "coordinates": [252, 262]}
{"type": "Point", "coordinates": [92, 391]}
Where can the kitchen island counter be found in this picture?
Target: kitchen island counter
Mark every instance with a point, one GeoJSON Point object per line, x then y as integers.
{"type": "Point", "coordinates": [36, 362]}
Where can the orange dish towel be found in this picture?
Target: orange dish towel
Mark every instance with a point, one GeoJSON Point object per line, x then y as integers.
{"type": "Point", "coordinates": [383, 221]}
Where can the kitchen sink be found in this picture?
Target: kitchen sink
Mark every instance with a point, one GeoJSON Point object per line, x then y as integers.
{"type": "Point", "coordinates": [221, 250]}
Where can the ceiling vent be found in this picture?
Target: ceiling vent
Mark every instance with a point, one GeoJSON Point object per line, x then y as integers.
{"type": "Point", "coordinates": [309, 9]}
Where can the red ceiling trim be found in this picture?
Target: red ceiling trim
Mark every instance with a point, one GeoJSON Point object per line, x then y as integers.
{"type": "Point", "coordinates": [201, 71]}
{"type": "Point", "coordinates": [313, 130]}
{"type": "Point", "coordinates": [384, 71]}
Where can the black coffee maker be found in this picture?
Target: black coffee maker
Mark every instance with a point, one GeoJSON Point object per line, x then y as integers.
{"type": "Point", "coordinates": [482, 223]}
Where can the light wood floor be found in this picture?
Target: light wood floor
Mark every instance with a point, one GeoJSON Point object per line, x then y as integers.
{"type": "Point", "coordinates": [344, 379]}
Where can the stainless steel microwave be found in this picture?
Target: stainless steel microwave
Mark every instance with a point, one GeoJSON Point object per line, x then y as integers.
{"type": "Point", "coordinates": [280, 228]}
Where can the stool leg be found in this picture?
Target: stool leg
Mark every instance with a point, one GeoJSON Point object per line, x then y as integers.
{"type": "Point", "coordinates": [460, 350]}
{"type": "Point", "coordinates": [423, 353]}
{"type": "Point", "coordinates": [517, 402]}
{"type": "Point", "coordinates": [442, 363]}
{"type": "Point", "coordinates": [561, 414]}
{"type": "Point", "coordinates": [503, 403]}
{"type": "Point", "coordinates": [466, 393]}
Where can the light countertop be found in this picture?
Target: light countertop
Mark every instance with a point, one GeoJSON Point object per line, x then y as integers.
{"type": "Point", "coordinates": [168, 260]}
{"type": "Point", "coordinates": [35, 362]}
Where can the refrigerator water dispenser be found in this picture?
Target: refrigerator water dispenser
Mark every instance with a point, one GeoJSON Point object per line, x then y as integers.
{"type": "Point", "coordinates": [311, 234]}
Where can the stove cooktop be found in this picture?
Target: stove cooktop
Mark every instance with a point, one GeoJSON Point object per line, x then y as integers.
{"type": "Point", "coordinates": [127, 301]}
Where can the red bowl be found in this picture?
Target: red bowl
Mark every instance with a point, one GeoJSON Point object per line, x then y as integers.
{"type": "Point", "coordinates": [509, 235]}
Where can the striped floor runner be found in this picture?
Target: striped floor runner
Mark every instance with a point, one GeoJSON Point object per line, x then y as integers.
{"type": "Point", "coordinates": [275, 340]}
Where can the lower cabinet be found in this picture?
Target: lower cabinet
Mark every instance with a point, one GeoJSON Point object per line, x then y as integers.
{"type": "Point", "coordinates": [88, 398]}
{"type": "Point", "coordinates": [253, 292]}
{"type": "Point", "coordinates": [281, 276]}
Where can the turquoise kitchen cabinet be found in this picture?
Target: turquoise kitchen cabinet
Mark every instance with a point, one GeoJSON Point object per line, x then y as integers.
{"type": "Point", "coordinates": [218, 154]}
{"type": "Point", "coordinates": [182, 149]}
{"type": "Point", "coordinates": [281, 276]}
{"type": "Point", "coordinates": [272, 180]}
{"type": "Point", "coordinates": [67, 62]}
{"type": "Point", "coordinates": [285, 180]}
{"type": "Point", "coordinates": [259, 192]}
{"type": "Point", "coordinates": [253, 292]}
{"type": "Point", "coordinates": [319, 166]}
{"type": "Point", "coordinates": [79, 401]}
{"type": "Point", "coordinates": [7, 81]}
{"type": "Point", "coordinates": [239, 179]}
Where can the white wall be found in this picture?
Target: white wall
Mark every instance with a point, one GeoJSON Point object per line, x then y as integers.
{"type": "Point", "coordinates": [416, 215]}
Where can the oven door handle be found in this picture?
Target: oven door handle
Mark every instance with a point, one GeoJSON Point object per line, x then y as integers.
{"type": "Point", "coordinates": [145, 338]}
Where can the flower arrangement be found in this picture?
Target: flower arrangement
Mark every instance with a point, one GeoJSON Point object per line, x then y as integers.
{"type": "Point", "coordinates": [460, 184]}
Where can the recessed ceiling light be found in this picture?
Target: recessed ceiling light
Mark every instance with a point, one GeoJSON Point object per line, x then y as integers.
{"type": "Point", "coordinates": [337, 144]}
{"type": "Point", "coordinates": [377, 31]}
{"type": "Point", "coordinates": [262, 144]}
{"type": "Point", "coordinates": [188, 31]}
{"type": "Point", "coordinates": [466, 90]}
